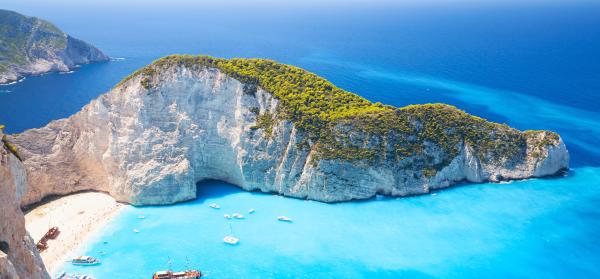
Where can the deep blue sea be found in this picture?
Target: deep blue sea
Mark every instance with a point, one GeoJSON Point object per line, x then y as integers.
{"type": "Point", "coordinates": [532, 65]}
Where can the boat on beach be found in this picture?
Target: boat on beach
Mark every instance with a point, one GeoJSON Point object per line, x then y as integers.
{"type": "Point", "coordinates": [52, 233]}
{"type": "Point", "coordinates": [186, 274]}
{"type": "Point", "coordinates": [85, 261]}
{"type": "Point", "coordinates": [42, 245]}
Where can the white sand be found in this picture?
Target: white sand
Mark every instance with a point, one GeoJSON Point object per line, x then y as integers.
{"type": "Point", "coordinates": [78, 217]}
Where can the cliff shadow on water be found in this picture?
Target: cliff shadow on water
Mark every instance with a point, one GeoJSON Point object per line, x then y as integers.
{"type": "Point", "coordinates": [212, 188]}
{"type": "Point", "coordinates": [208, 189]}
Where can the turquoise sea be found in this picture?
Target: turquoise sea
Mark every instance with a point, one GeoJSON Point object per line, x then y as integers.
{"type": "Point", "coordinates": [530, 64]}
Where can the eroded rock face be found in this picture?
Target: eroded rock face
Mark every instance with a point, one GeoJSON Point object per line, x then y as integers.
{"type": "Point", "coordinates": [18, 256]}
{"type": "Point", "coordinates": [30, 46]}
{"type": "Point", "coordinates": [152, 144]}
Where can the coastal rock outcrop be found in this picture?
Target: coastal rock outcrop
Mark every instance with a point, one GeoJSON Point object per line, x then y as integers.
{"type": "Point", "coordinates": [270, 127]}
{"type": "Point", "coordinates": [19, 257]}
{"type": "Point", "coordinates": [30, 46]}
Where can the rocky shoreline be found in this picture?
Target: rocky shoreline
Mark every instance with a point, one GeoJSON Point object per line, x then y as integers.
{"type": "Point", "coordinates": [39, 47]}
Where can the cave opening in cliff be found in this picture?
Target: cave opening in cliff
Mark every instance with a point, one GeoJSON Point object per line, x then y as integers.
{"type": "Point", "coordinates": [4, 247]}
{"type": "Point", "coordinates": [214, 188]}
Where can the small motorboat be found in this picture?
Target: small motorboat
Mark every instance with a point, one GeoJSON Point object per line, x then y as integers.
{"type": "Point", "coordinates": [141, 216]}
{"type": "Point", "coordinates": [214, 205]}
{"type": "Point", "coordinates": [251, 210]}
{"type": "Point", "coordinates": [187, 274]}
{"type": "Point", "coordinates": [227, 216]}
{"type": "Point", "coordinates": [136, 230]}
{"type": "Point", "coordinates": [237, 216]}
{"type": "Point", "coordinates": [232, 240]}
{"type": "Point", "coordinates": [65, 275]}
{"type": "Point", "coordinates": [284, 219]}
{"type": "Point", "coordinates": [85, 260]}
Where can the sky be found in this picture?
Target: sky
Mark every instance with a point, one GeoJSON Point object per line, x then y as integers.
{"type": "Point", "coordinates": [281, 3]}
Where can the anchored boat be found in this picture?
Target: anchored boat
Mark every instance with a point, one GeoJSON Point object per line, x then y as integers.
{"type": "Point", "coordinates": [230, 239]}
{"type": "Point", "coordinates": [237, 216]}
{"type": "Point", "coordinates": [214, 205]}
{"type": "Point", "coordinates": [65, 275]}
{"type": "Point", "coordinates": [284, 219]}
{"type": "Point", "coordinates": [85, 260]}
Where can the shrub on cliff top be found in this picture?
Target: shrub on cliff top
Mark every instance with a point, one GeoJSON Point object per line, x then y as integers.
{"type": "Point", "coordinates": [11, 148]}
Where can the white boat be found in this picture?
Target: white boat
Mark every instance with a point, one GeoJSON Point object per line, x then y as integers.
{"type": "Point", "coordinates": [85, 260]}
{"type": "Point", "coordinates": [141, 216]}
{"type": "Point", "coordinates": [230, 239]}
{"type": "Point", "coordinates": [214, 205]}
{"type": "Point", "coordinates": [284, 219]}
{"type": "Point", "coordinates": [237, 216]}
{"type": "Point", "coordinates": [227, 216]}
{"type": "Point", "coordinates": [251, 210]}
{"type": "Point", "coordinates": [65, 275]}
{"type": "Point", "coordinates": [136, 230]}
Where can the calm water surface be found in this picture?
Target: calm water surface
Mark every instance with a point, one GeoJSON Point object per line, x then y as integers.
{"type": "Point", "coordinates": [531, 66]}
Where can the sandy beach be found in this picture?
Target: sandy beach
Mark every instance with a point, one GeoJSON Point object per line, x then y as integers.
{"type": "Point", "coordinates": [78, 216]}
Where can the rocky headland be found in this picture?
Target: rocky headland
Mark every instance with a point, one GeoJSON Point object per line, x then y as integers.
{"type": "Point", "coordinates": [31, 46]}
{"type": "Point", "coordinates": [266, 126]}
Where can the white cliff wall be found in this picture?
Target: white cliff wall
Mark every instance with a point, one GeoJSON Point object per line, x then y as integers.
{"type": "Point", "coordinates": [151, 146]}
{"type": "Point", "coordinates": [18, 255]}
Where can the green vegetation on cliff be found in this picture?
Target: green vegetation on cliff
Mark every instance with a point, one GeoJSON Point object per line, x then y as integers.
{"type": "Point", "coordinates": [8, 145]}
{"type": "Point", "coordinates": [19, 33]}
{"type": "Point", "coordinates": [332, 117]}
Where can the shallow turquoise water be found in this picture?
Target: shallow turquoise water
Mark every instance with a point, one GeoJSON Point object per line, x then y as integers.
{"type": "Point", "coordinates": [542, 228]}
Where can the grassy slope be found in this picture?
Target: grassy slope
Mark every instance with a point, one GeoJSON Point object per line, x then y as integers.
{"type": "Point", "coordinates": [332, 117]}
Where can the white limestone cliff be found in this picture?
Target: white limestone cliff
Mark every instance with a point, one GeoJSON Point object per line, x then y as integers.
{"type": "Point", "coordinates": [151, 146]}
{"type": "Point", "coordinates": [19, 257]}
